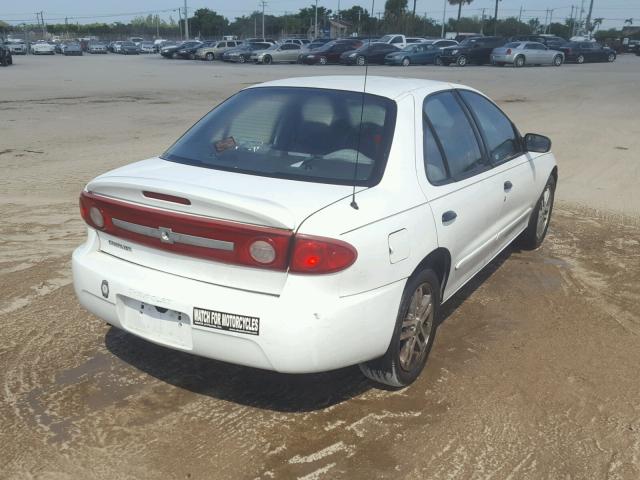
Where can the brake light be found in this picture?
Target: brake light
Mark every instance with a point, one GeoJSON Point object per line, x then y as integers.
{"type": "Point", "coordinates": [508, 51]}
{"type": "Point", "coordinates": [321, 255]}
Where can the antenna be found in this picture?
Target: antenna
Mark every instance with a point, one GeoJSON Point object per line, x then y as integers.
{"type": "Point", "coordinates": [353, 203]}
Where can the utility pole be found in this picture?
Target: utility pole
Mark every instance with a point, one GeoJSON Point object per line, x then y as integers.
{"type": "Point", "coordinates": [546, 17]}
{"type": "Point", "coordinates": [444, 15]}
{"type": "Point", "coordinates": [44, 29]}
{"type": "Point", "coordinates": [482, 23]}
{"type": "Point", "coordinates": [315, 28]}
{"type": "Point", "coordinates": [550, 20]}
{"type": "Point", "coordinates": [579, 26]}
{"type": "Point", "coordinates": [264, 4]}
{"type": "Point", "coordinates": [186, 21]}
{"type": "Point", "coordinates": [588, 22]}
{"type": "Point", "coordinates": [414, 8]}
{"type": "Point", "coordinates": [495, 20]}
{"type": "Point", "coordinates": [180, 21]}
{"type": "Point", "coordinates": [519, 20]}
{"type": "Point", "coordinates": [157, 26]}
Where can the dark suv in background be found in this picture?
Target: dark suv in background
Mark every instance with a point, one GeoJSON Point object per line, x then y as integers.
{"type": "Point", "coordinates": [581, 52]}
{"type": "Point", "coordinates": [475, 50]}
{"type": "Point", "coordinates": [551, 41]}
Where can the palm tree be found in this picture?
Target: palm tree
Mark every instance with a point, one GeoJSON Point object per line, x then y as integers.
{"type": "Point", "coordinates": [596, 23]}
{"type": "Point", "coordinates": [459, 3]}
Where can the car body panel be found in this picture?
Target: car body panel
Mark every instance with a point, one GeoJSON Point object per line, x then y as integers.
{"type": "Point", "coordinates": [532, 52]}
{"type": "Point", "coordinates": [476, 50]}
{"type": "Point", "coordinates": [285, 53]}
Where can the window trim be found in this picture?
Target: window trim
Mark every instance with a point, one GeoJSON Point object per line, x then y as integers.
{"type": "Point", "coordinates": [484, 140]}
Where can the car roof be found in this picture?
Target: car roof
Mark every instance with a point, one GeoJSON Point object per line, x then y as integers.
{"type": "Point", "coordinates": [389, 87]}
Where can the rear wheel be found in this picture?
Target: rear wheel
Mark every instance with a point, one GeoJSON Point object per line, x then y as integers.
{"type": "Point", "coordinates": [406, 62]}
{"type": "Point", "coordinates": [557, 60]}
{"type": "Point", "coordinates": [267, 60]}
{"type": "Point", "coordinates": [536, 231]}
{"type": "Point", "coordinates": [519, 61]}
{"type": "Point", "coordinates": [241, 59]}
{"type": "Point", "coordinates": [580, 59]}
{"type": "Point", "coordinates": [611, 57]}
{"type": "Point", "coordinates": [438, 61]}
{"type": "Point", "coordinates": [361, 61]}
{"type": "Point", "coordinates": [323, 60]}
{"type": "Point", "coordinates": [209, 56]}
{"type": "Point", "coordinates": [462, 61]}
{"type": "Point", "coordinates": [413, 334]}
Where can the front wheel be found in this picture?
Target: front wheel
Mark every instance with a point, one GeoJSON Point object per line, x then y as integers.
{"type": "Point", "coordinates": [406, 62]}
{"type": "Point", "coordinates": [557, 60]}
{"type": "Point", "coordinates": [462, 61]}
{"type": "Point", "coordinates": [580, 59]}
{"type": "Point", "coordinates": [536, 230]}
{"type": "Point", "coordinates": [438, 61]}
{"type": "Point", "coordinates": [413, 334]}
{"type": "Point", "coordinates": [323, 60]}
{"type": "Point", "coordinates": [611, 57]}
{"type": "Point", "coordinates": [519, 61]}
{"type": "Point", "coordinates": [209, 56]}
{"type": "Point", "coordinates": [361, 61]}
{"type": "Point", "coordinates": [242, 59]}
{"type": "Point", "coordinates": [266, 60]}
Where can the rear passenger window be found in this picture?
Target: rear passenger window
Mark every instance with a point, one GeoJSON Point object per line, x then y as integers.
{"type": "Point", "coordinates": [433, 161]}
{"type": "Point", "coordinates": [456, 135]}
{"type": "Point", "coordinates": [498, 132]}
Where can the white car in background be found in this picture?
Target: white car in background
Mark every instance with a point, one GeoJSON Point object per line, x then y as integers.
{"type": "Point", "coordinates": [43, 48]}
{"type": "Point", "coordinates": [304, 226]}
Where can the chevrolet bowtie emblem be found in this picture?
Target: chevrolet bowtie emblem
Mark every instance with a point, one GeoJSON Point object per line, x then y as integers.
{"type": "Point", "coordinates": [166, 235]}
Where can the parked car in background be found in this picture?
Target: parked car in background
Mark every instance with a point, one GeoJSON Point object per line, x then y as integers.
{"type": "Point", "coordinates": [116, 46]}
{"type": "Point", "coordinates": [243, 53]}
{"type": "Point", "coordinates": [283, 232]}
{"type": "Point", "coordinates": [17, 48]}
{"type": "Point", "coordinates": [330, 52]}
{"type": "Point", "coordinates": [424, 53]}
{"type": "Point", "coordinates": [520, 54]}
{"type": "Point", "coordinates": [314, 45]}
{"type": "Point", "coordinates": [461, 37]}
{"type": "Point", "coordinates": [136, 40]}
{"type": "Point", "coordinates": [6, 58]}
{"type": "Point", "coordinates": [147, 47]}
{"type": "Point", "coordinates": [171, 51]}
{"type": "Point", "coordinates": [284, 53]}
{"type": "Point", "coordinates": [260, 40]}
{"type": "Point", "coordinates": [43, 48]}
{"type": "Point", "coordinates": [72, 49]}
{"type": "Point", "coordinates": [476, 50]}
{"type": "Point", "coordinates": [189, 51]}
{"type": "Point", "coordinates": [215, 51]}
{"type": "Point", "coordinates": [398, 40]}
{"type": "Point", "coordinates": [583, 52]}
{"type": "Point", "coordinates": [368, 53]}
{"type": "Point", "coordinates": [97, 47]}
{"type": "Point", "coordinates": [128, 48]}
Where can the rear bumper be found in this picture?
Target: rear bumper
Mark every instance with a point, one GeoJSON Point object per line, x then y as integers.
{"type": "Point", "coordinates": [501, 58]}
{"type": "Point", "coordinates": [302, 330]}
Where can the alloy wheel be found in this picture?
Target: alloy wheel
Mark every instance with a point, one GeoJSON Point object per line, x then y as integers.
{"type": "Point", "coordinates": [544, 213]}
{"type": "Point", "coordinates": [323, 60]}
{"type": "Point", "coordinates": [580, 59]}
{"type": "Point", "coordinates": [360, 61]}
{"type": "Point", "coordinates": [405, 62]}
{"type": "Point", "coordinates": [416, 327]}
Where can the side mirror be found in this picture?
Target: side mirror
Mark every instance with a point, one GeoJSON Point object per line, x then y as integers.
{"type": "Point", "coordinates": [537, 143]}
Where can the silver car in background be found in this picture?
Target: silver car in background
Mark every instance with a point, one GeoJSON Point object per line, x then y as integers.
{"type": "Point", "coordinates": [286, 53]}
{"type": "Point", "coordinates": [526, 53]}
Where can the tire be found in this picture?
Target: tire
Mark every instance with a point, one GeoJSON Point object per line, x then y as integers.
{"type": "Point", "coordinates": [361, 61]}
{"type": "Point", "coordinates": [536, 230]}
{"type": "Point", "coordinates": [437, 61]}
{"type": "Point", "coordinates": [9, 60]}
{"type": "Point", "coordinates": [580, 59]}
{"type": "Point", "coordinates": [445, 63]}
{"type": "Point", "coordinates": [519, 61]}
{"type": "Point", "coordinates": [267, 60]}
{"type": "Point", "coordinates": [323, 60]}
{"type": "Point", "coordinates": [242, 59]}
{"type": "Point", "coordinates": [462, 60]}
{"type": "Point", "coordinates": [192, 56]}
{"type": "Point", "coordinates": [174, 55]}
{"type": "Point", "coordinates": [406, 62]}
{"type": "Point", "coordinates": [209, 56]}
{"type": "Point", "coordinates": [4, 61]}
{"type": "Point", "coordinates": [412, 338]}
{"type": "Point", "coordinates": [611, 57]}
{"type": "Point", "coordinates": [557, 60]}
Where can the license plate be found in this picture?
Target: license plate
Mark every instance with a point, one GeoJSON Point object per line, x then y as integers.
{"type": "Point", "coordinates": [230, 322]}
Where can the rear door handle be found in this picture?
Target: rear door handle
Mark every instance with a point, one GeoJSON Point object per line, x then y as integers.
{"type": "Point", "coordinates": [449, 216]}
{"type": "Point", "coordinates": [508, 186]}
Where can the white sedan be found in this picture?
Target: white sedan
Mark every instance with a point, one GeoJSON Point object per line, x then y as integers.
{"type": "Point", "coordinates": [43, 48]}
{"type": "Point", "coordinates": [304, 226]}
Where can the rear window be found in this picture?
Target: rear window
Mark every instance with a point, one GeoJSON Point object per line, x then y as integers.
{"type": "Point", "coordinates": [512, 45]}
{"type": "Point", "coordinates": [295, 133]}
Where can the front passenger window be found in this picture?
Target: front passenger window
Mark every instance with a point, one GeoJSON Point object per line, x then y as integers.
{"type": "Point", "coordinates": [498, 132]}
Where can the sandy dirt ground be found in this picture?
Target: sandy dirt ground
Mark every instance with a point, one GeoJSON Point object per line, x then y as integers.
{"type": "Point", "coordinates": [534, 371]}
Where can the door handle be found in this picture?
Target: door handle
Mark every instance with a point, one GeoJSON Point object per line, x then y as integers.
{"type": "Point", "coordinates": [508, 186]}
{"type": "Point", "coordinates": [449, 216]}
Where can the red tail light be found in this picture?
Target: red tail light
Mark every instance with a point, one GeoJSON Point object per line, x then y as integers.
{"type": "Point", "coordinates": [508, 51]}
{"type": "Point", "coordinates": [214, 239]}
{"type": "Point", "coordinates": [321, 255]}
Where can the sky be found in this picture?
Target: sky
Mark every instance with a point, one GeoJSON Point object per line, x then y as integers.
{"type": "Point", "coordinates": [86, 11]}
